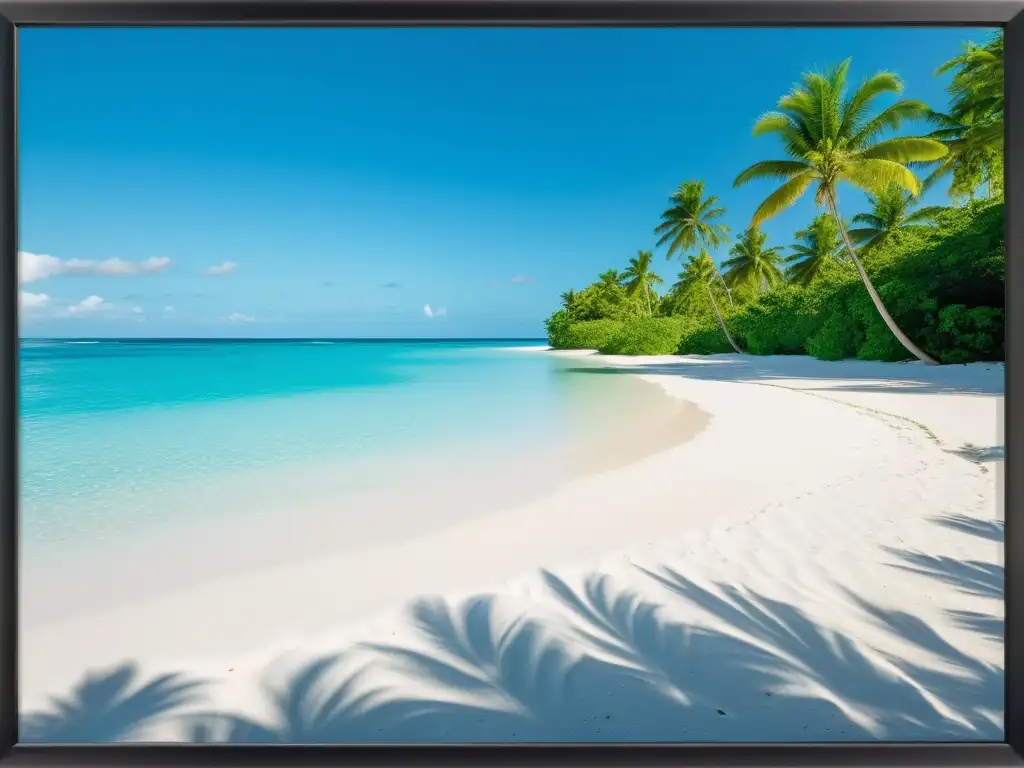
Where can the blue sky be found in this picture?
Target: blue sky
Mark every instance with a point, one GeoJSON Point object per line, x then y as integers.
{"type": "Point", "coordinates": [330, 182]}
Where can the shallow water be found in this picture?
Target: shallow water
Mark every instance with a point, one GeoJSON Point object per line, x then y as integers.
{"type": "Point", "coordinates": [123, 438]}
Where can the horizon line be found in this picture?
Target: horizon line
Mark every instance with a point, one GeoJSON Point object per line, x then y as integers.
{"type": "Point", "coordinates": [282, 338]}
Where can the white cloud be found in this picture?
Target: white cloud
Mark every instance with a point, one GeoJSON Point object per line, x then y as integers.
{"type": "Point", "coordinates": [88, 305]}
{"type": "Point", "coordinates": [168, 309]}
{"type": "Point", "coordinates": [523, 279]}
{"type": "Point", "coordinates": [32, 300]}
{"type": "Point", "coordinates": [238, 317]}
{"type": "Point", "coordinates": [137, 310]}
{"type": "Point", "coordinates": [429, 312]}
{"type": "Point", "coordinates": [34, 266]}
{"type": "Point", "coordinates": [222, 269]}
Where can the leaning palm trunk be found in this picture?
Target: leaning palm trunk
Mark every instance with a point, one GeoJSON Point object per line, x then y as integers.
{"type": "Point", "coordinates": [721, 322]}
{"type": "Point", "coordinates": [647, 293]}
{"type": "Point", "coordinates": [728, 291]}
{"type": "Point", "coordinates": [903, 339]}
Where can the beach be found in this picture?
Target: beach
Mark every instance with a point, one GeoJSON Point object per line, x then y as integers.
{"type": "Point", "coordinates": [802, 550]}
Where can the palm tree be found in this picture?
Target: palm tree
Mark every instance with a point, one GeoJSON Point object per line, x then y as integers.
{"type": "Point", "coordinates": [977, 89]}
{"type": "Point", "coordinates": [970, 163]}
{"type": "Point", "coordinates": [568, 298]}
{"type": "Point", "coordinates": [638, 275]}
{"type": "Point", "coordinates": [692, 223]}
{"type": "Point", "coordinates": [890, 215]}
{"type": "Point", "coordinates": [973, 129]}
{"type": "Point", "coordinates": [819, 244]}
{"type": "Point", "coordinates": [831, 138]}
{"type": "Point", "coordinates": [700, 270]}
{"type": "Point", "coordinates": [752, 265]}
{"type": "Point", "coordinates": [610, 277]}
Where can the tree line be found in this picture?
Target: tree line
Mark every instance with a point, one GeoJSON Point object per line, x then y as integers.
{"type": "Point", "coordinates": [831, 137]}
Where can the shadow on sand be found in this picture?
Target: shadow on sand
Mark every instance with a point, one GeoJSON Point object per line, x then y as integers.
{"type": "Point", "coordinates": [845, 375]}
{"type": "Point", "coordinates": [985, 529]}
{"type": "Point", "coordinates": [609, 665]}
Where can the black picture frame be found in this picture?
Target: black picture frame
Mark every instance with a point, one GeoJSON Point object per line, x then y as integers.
{"type": "Point", "coordinates": [996, 13]}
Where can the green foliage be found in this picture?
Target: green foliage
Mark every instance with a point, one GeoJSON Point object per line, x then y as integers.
{"type": "Point", "coordinates": [943, 285]}
{"type": "Point", "coordinates": [972, 333]}
{"type": "Point", "coordinates": [591, 334]}
{"type": "Point", "coordinates": [558, 327]}
{"type": "Point", "coordinates": [780, 321]}
{"type": "Point", "coordinates": [645, 336]}
{"type": "Point", "coordinates": [939, 272]}
{"type": "Point", "coordinates": [702, 335]}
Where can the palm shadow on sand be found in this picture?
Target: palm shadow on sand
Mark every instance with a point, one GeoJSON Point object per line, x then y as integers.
{"type": "Point", "coordinates": [108, 708]}
{"type": "Point", "coordinates": [612, 667]}
{"type": "Point", "coordinates": [870, 694]}
{"type": "Point", "coordinates": [307, 709]}
{"type": "Point", "coordinates": [973, 577]}
{"type": "Point", "coordinates": [993, 530]}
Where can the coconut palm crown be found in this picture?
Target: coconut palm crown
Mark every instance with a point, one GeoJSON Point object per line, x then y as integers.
{"type": "Point", "coordinates": [890, 215]}
{"type": "Point", "coordinates": [638, 276]}
{"type": "Point", "coordinates": [692, 221]}
{"type": "Point", "coordinates": [831, 137]}
{"type": "Point", "coordinates": [752, 266]}
{"type": "Point", "coordinates": [816, 246]}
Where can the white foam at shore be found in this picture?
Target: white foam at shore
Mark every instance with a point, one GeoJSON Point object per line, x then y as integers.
{"type": "Point", "coordinates": [822, 562]}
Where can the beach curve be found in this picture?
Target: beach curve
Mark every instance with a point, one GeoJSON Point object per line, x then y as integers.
{"type": "Point", "coordinates": [729, 546]}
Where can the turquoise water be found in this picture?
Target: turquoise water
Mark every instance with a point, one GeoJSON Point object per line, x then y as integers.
{"type": "Point", "coordinates": [121, 434]}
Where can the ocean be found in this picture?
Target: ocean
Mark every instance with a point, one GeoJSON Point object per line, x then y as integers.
{"type": "Point", "coordinates": [124, 438]}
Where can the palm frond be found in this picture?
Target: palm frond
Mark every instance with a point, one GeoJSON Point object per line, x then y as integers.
{"type": "Point", "coordinates": [782, 198]}
{"type": "Point", "coordinates": [907, 150]}
{"type": "Point", "coordinates": [875, 174]}
{"type": "Point", "coordinates": [771, 169]}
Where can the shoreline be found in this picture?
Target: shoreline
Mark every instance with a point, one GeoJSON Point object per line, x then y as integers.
{"type": "Point", "coordinates": [177, 556]}
{"type": "Point", "coordinates": [737, 530]}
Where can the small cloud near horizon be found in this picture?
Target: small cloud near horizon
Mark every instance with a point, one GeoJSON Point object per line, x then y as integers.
{"type": "Point", "coordinates": [89, 305]}
{"type": "Point", "coordinates": [238, 317]}
{"type": "Point", "coordinates": [429, 312]}
{"type": "Point", "coordinates": [32, 300]}
{"type": "Point", "coordinates": [35, 266]}
{"type": "Point", "coordinates": [222, 269]}
{"type": "Point", "coordinates": [523, 279]}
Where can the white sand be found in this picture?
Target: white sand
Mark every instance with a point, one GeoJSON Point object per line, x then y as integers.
{"type": "Point", "coordinates": [822, 562]}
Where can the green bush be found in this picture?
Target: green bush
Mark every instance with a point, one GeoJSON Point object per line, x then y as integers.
{"type": "Point", "coordinates": [592, 334]}
{"type": "Point", "coordinates": [838, 338]}
{"type": "Point", "coordinates": [779, 322]}
{"type": "Point", "coordinates": [973, 334]}
{"type": "Point", "coordinates": [703, 336]}
{"type": "Point", "coordinates": [558, 327]}
{"type": "Point", "coordinates": [645, 336]}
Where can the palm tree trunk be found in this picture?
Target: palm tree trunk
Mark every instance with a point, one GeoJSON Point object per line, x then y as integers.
{"type": "Point", "coordinates": [903, 339]}
{"type": "Point", "coordinates": [721, 322]}
{"type": "Point", "coordinates": [647, 293]}
{"type": "Point", "coordinates": [725, 285]}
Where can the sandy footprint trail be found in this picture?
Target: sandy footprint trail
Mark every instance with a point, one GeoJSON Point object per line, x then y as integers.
{"type": "Point", "coordinates": [820, 563]}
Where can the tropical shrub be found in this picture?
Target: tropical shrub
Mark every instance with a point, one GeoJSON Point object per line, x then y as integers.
{"type": "Point", "coordinates": [645, 336]}
{"type": "Point", "coordinates": [592, 334]}
{"type": "Point", "coordinates": [703, 335]}
{"type": "Point", "coordinates": [558, 327]}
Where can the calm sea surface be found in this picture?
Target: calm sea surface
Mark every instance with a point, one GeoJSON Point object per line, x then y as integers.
{"type": "Point", "coordinates": [118, 436]}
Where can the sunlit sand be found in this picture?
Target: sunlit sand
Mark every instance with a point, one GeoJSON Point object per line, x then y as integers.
{"type": "Point", "coordinates": [810, 551]}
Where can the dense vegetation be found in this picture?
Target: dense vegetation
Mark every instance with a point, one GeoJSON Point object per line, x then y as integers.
{"type": "Point", "coordinates": [895, 281]}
